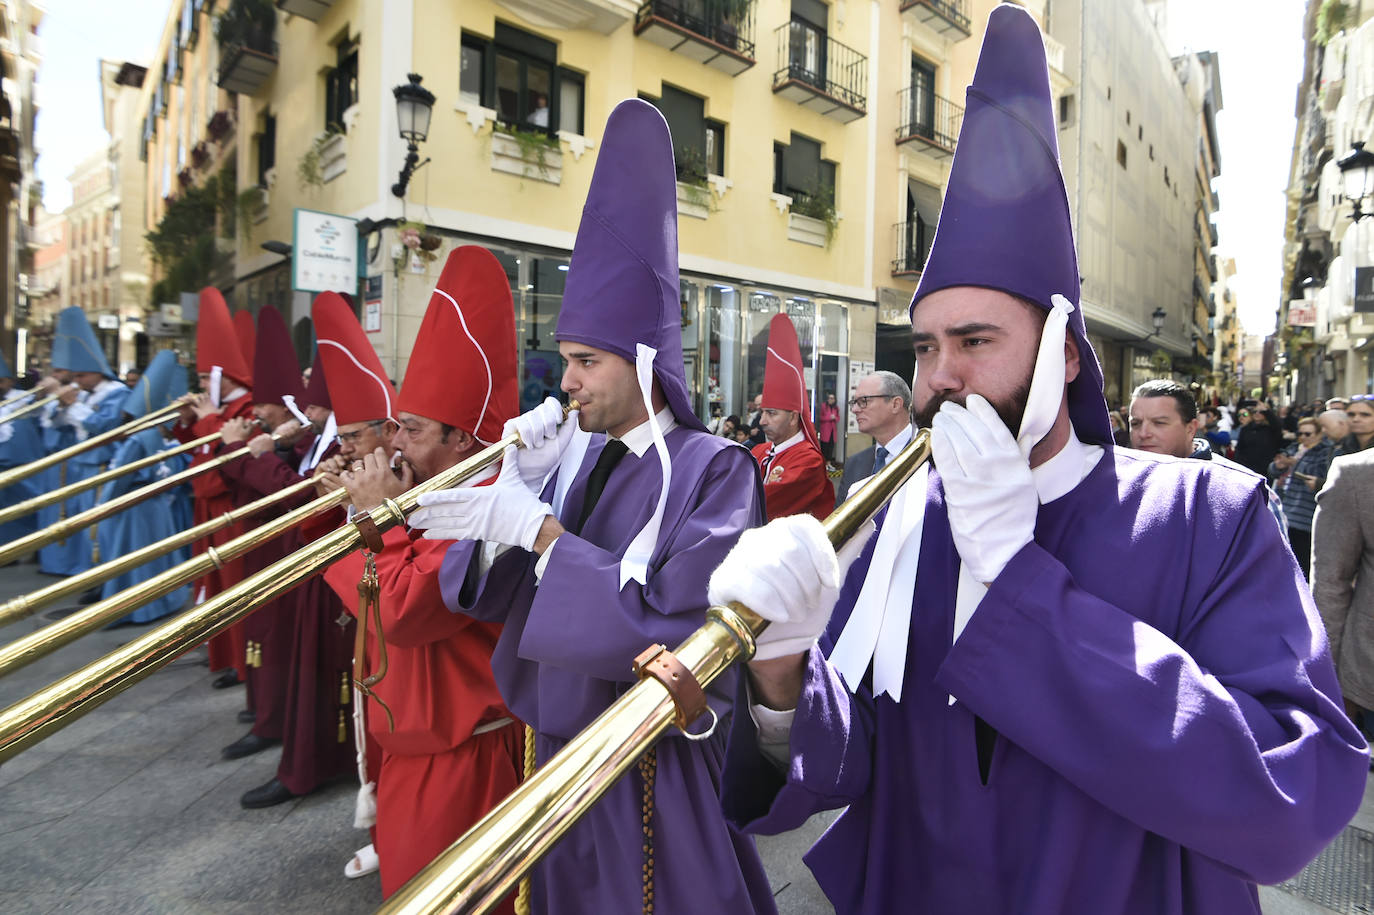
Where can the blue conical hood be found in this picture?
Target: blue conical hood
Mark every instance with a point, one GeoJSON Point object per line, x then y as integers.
{"type": "Point", "coordinates": [622, 287]}
{"type": "Point", "coordinates": [74, 345]}
{"type": "Point", "coordinates": [1005, 221]}
{"type": "Point", "coordinates": [163, 381]}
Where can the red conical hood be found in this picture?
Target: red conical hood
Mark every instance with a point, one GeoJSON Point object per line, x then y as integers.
{"type": "Point", "coordinates": [247, 336]}
{"type": "Point", "coordinates": [216, 342]}
{"type": "Point", "coordinates": [462, 369]}
{"type": "Point", "coordinates": [358, 386]}
{"type": "Point", "coordinates": [784, 379]}
{"type": "Point", "coordinates": [317, 391]}
{"type": "Point", "coordinates": [276, 373]}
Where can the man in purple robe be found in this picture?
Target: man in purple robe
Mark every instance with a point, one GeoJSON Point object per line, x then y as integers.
{"type": "Point", "coordinates": [616, 525]}
{"type": "Point", "coordinates": [1061, 677]}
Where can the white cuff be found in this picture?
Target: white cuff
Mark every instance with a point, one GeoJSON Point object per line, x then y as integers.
{"type": "Point", "coordinates": [543, 562]}
{"type": "Point", "coordinates": [487, 555]}
{"type": "Point", "coordinates": [77, 413]}
{"type": "Point", "coordinates": [774, 730]}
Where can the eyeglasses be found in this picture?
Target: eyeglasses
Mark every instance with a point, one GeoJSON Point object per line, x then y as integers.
{"type": "Point", "coordinates": [861, 403]}
{"type": "Point", "coordinates": [1244, 413]}
{"type": "Point", "coordinates": [352, 438]}
{"type": "Point", "coordinates": [1302, 432]}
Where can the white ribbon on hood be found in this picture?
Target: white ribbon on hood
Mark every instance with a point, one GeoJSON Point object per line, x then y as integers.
{"type": "Point", "coordinates": [635, 563]}
{"type": "Point", "coordinates": [216, 381]}
{"type": "Point", "coordinates": [290, 401]}
{"type": "Point", "coordinates": [880, 623]}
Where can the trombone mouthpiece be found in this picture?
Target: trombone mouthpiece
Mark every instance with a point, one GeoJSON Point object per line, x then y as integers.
{"type": "Point", "coordinates": [572, 405]}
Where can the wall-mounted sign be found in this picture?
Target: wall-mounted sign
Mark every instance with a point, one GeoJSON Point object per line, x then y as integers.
{"type": "Point", "coordinates": [107, 322]}
{"type": "Point", "coordinates": [372, 317]}
{"type": "Point", "coordinates": [1364, 289]}
{"type": "Point", "coordinates": [1300, 314]}
{"type": "Point", "coordinates": [324, 252]}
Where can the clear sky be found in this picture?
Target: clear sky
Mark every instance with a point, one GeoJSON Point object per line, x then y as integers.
{"type": "Point", "coordinates": [76, 35]}
{"type": "Point", "coordinates": [1259, 46]}
{"type": "Point", "coordinates": [1260, 49]}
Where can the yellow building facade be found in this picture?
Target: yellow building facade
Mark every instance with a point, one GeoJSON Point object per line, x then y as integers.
{"type": "Point", "coordinates": [813, 143]}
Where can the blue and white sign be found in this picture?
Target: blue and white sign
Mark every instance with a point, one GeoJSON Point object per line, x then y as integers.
{"type": "Point", "coordinates": [324, 252]}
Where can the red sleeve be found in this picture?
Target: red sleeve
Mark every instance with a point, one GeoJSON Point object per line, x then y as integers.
{"type": "Point", "coordinates": [413, 610]}
{"type": "Point", "coordinates": [797, 484]}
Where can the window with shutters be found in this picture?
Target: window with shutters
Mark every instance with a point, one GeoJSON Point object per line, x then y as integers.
{"type": "Point", "coordinates": [341, 87]}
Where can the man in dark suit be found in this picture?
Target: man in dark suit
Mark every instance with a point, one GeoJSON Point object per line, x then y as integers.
{"type": "Point", "coordinates": [881, 405]}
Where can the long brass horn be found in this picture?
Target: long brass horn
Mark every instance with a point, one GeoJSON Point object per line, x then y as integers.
{"type": "Point", "coordinates": [50, 709]}
{"type": "Point", "coordinates": [61, 494]}
{"type": "Point", "coordinates": [485, 864]}
{"type": "Point", "coordinates": [23, 472]}
{"type": "Point", "coordinates": [38, 644]}
{"type": "Point", "coordinates": [63, 529]}
{"type": "Point", "coordinates": [25, 605]}
{"type": "Point", "coordinates": [28, 408]}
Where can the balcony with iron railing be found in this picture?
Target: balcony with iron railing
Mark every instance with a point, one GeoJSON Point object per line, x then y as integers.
{"type": "Point", "coordinates": [718, 33]}
{"type": "Point", "coordinates": [913, 246]}
{"type": "Point", "coordinates": [247, 62]}
{"type": "Point", "coordinates": [947, 18]}
{"type": "Point", "coordinates": [928, 122]}
{"type": "Point", "coordinates": [819, 73]}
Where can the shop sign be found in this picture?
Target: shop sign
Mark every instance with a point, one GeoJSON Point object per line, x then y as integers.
{"type": "Point", "coordinates": [324, 252]}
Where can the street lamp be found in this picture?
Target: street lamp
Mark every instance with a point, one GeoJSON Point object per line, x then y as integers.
{"type": "Point", "coordinates": [414, 105]}
{"type": "Point", "coordinates": [1357, 175]}
{"type": "Point", "coordinates": [1157, 320]}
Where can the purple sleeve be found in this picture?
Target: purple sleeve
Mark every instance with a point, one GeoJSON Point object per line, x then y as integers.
{"type": "Point", "coordinates": [831, 756]}
{"type": "Point", "coordinates": [484, 597]}
{"type": "Point", "coordinates": [1229, 740]}
{"type": "Point", "coordinates": [581, 620]}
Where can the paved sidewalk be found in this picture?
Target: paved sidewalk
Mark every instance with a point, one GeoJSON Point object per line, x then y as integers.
{"type": "Point", "coordinates": [132, 810]}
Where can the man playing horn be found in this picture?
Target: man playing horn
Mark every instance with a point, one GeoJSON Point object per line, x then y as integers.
{"type": "Point", "coordinates": [613, 550]}
{"type": "Point", "coordinates": [1064, 677]}
{"type": "Point", "coordinates": [449, 747]}
{"type": "Point", "coordinates": [87, 408]}
{"type": "Point", "coordinates": [225, 375]}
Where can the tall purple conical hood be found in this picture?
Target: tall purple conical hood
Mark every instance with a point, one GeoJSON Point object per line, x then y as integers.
{"type": "Point", "coordinates": [622, 286]}
{"type": "Point", "coordinates": [1005, 220]}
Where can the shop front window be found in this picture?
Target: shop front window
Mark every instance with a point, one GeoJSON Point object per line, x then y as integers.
{"type": "Point", "coordinates": [762, 307]}
{"type": "Point", "coordinates": [723, 387]}
{"type": "Point", "coordinates": [541, 297]}
{"type": "Point", "coordinates": [690, 300]}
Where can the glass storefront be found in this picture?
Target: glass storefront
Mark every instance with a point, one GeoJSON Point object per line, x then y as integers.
{"type": "Point", "coordinates": [724, 337]}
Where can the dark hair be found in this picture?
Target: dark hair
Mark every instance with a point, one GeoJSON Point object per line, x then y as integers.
{"type": "Point", "coordinates": [733, 418]}
{"type": "Point", "coordinates": [1163, 387]}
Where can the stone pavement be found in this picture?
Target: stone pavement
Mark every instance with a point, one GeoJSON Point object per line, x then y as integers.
{"type": "Point", "coordinates": [132, 810]}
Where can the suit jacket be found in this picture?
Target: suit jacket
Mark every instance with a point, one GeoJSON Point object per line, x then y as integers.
{"type": "Point", "coordinates": [856, 467]}
{"type": "Point", "coordinates": [1343, 571]}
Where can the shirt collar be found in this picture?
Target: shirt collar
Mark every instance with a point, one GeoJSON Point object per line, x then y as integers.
{"type": "Point", "coordinates": [897, 442]}
{"type": "Point", "coordinates": [783, 446]}
{"type": "Point", "coordinates": [641, 438]}
{"type": "Point", "coordinates": [1064, 471]}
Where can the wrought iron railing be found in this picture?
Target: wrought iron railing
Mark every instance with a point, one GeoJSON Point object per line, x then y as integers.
{"type": "Point", "coordinates": [728, 24]}
{"type": "Point", "coordinates": [913, 246]}
{"type": "Point", "coordinates": [953, 11]}
{"type": "Point", "coordinates": [807, 55]}
{"type": "Point", "coordinates": [928, 116]}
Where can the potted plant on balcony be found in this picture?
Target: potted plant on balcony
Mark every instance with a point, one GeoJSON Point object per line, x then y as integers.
{"type": "Point", "coordinates": [200, 154]}
{"type": "Point", "coordinates": [219, 125]}
{"type": "Point", "coordinates": [309, 170]}
{"type": "Point", "coordinates": [818, 202]}
{"type": "Point", "coordinates": [691, 176]}
{"type": "Point", "coordinates": [416, 239]}
{"type": "Point", "coordinates": [247, 24]}
{"type": "Point", "coordinates": [534, 147]}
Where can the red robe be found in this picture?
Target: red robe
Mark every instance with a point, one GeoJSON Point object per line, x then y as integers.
{"type": "Point", "coordinates": [796, 483]}
{"type": "Point", "coordinates": [213, 497]}
{"type": "Point", "coordinates": [436, 778]}
{"type": "Point", "coordinates": [299, 685]}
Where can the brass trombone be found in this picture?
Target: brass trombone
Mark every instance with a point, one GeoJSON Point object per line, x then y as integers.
{"type": "Point", "coordinates": [28, 408]}
{"type": "Point", "coordinates": [157, 417]}
{"type": "Point", "coordinates": [63, 529]}
{"type": "Point", "coordinates": [61, 494]}
{"type": "Point", "coordinates": [485, 864]}
{"type": "Point", "coordinates": [57, 705]}
{"type": "Point", "coordinates": [44, 641]}
{"type": "Point", "coordinates": [25, 605]}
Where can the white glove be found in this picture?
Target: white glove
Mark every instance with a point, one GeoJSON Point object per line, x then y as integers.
{"type": "Point", "coordinates": [787, 573]}
{"type": "Point", "coordinates": [504, 512]}
{"type": "Point", "coordinates": [546, 437]}
{"type": "Point", "coordinates": [988, 486]}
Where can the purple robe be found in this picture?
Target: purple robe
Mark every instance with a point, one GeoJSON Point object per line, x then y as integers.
{"type": "Point", "coordinates": [565, 655]}
{"type": "Point", "coordinates": [1168, 725]}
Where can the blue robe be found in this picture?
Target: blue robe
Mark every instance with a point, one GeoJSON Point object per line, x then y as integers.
{"type": "Point", "coordinates": [1165, 724]}
{"type": "Point", "coordinates": [100, 410]}
{"type": "Point", "coordinates": [20, 443]}
{"type": "Point", "coordinates": [565, 654]}
{"type": "Point", "coordinates": [147, 522]}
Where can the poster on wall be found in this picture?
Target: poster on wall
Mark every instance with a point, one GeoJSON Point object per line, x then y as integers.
{"type": "Point", "coordinates": [1364, 289]}
{"type": "Point", "coordinates": [324, 252]}
{"type": "Point", "coordinates": [857, 370]}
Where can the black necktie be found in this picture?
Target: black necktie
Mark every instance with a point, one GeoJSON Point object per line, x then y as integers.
{"type": "Point", "coordinates": [596, 481]}
{"type": "Point", "coordinates": [879, 458]}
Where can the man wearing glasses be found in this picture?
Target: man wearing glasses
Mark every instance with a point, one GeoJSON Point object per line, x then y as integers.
{"type": "Point", "coordinates": [882, 408]}
{"type": "Point", "coordinates": [1305, 471]}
